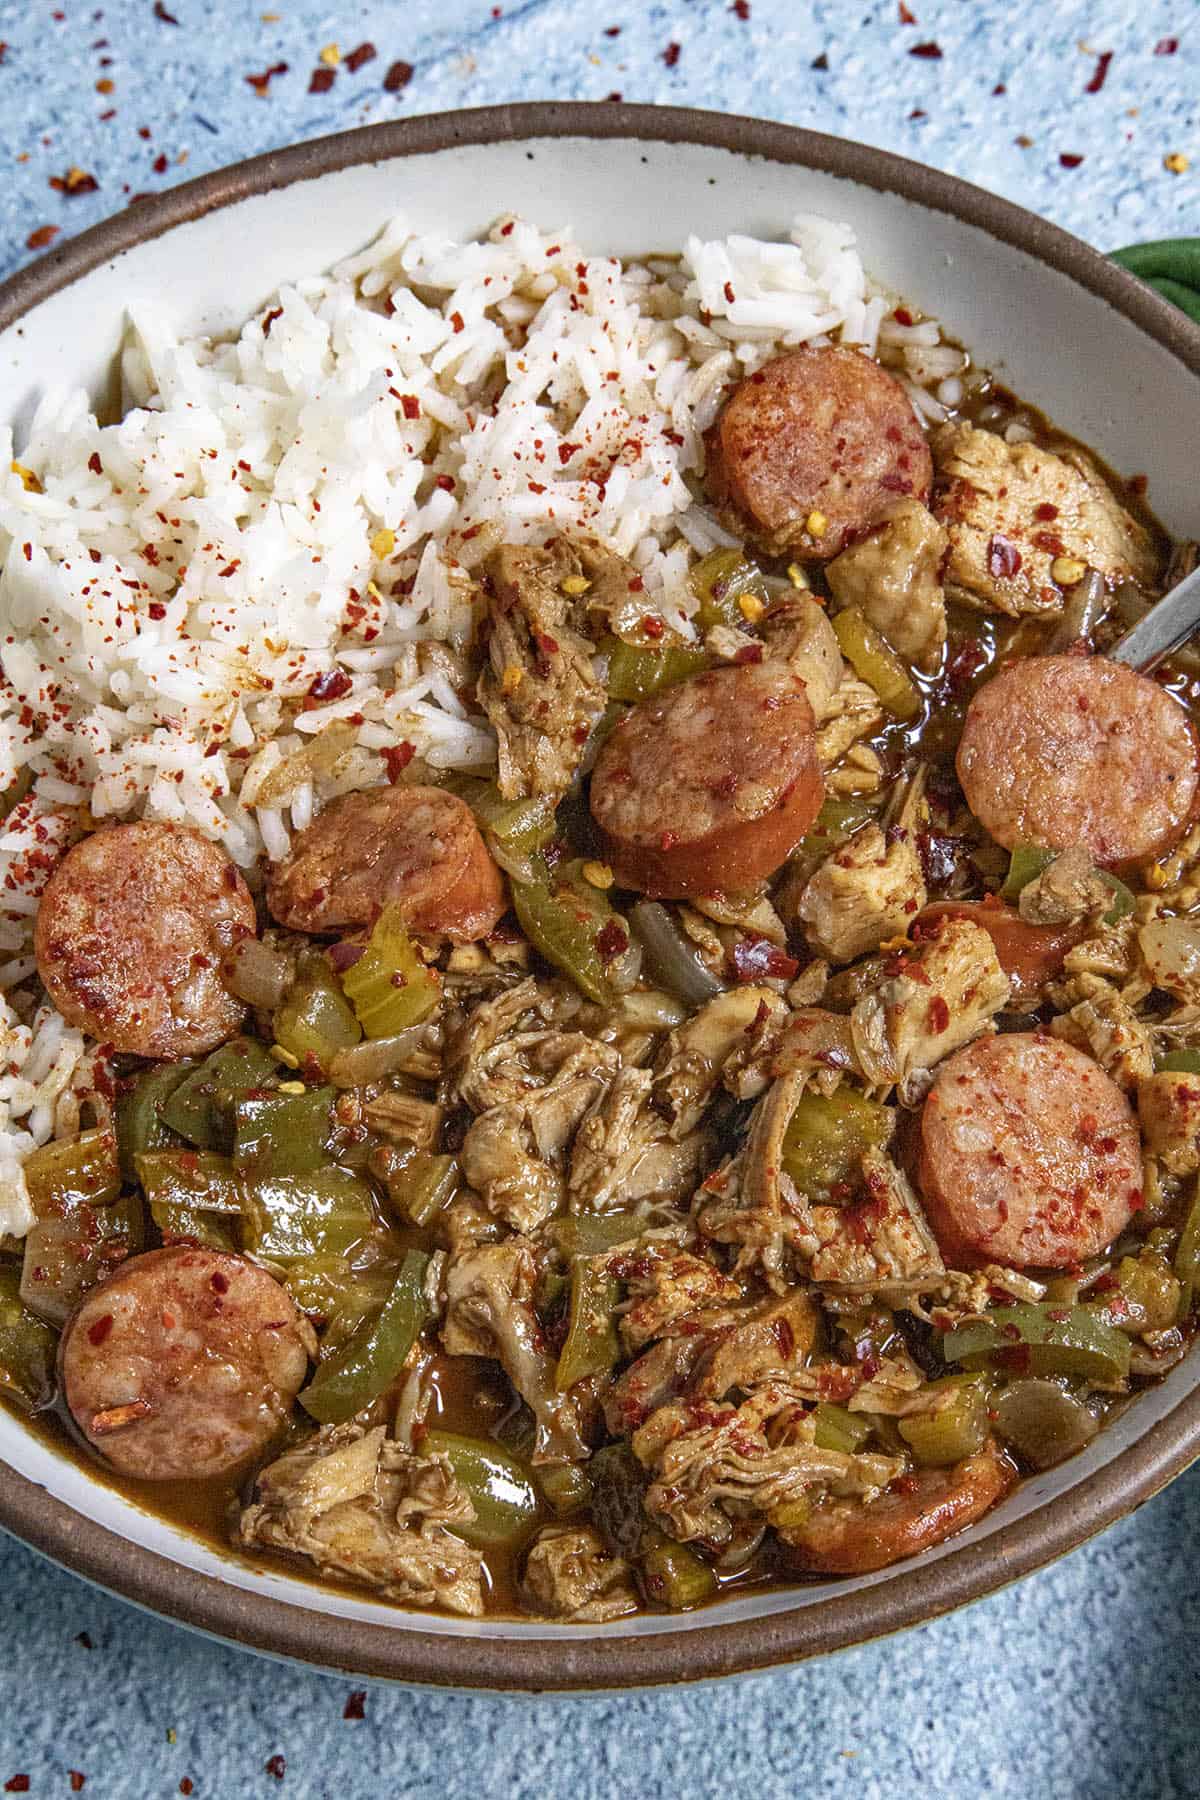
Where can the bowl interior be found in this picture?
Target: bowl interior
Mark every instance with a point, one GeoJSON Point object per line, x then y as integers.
{"type": "Point", "coordinates": [1049, 336]}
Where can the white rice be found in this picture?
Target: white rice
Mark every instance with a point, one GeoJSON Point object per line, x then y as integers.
{"type": "Point", "coordinates": [173, 585]}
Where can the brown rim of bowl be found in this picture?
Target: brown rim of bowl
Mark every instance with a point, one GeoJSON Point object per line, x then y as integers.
{"type": "Point", "coordinates": [583, 1664]}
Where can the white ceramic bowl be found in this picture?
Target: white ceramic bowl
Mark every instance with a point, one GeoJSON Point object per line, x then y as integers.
{"type": "Point", "coordinates": [1102, 355]}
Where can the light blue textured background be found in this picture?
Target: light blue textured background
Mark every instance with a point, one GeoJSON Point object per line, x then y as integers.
{"type": "Point", "coordinates": [1082, 1681]}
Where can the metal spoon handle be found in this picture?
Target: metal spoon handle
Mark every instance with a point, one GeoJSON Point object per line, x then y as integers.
{"type": "Point", "coordinates": [1167, 625]}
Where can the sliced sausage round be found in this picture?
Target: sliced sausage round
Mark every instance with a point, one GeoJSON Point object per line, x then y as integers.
{"type": "Point", "coordinates": [184, 1364]}
{"type": "Point", "coordinates": [415, 847]}
{"type": "Point", "coordinates": [1029, 1154]}
{"type": "Point", "coordinates": [130, 934]}
{"type": "Point", "coordinates": [709, 786]}
{"type": "Point", "coordinates": [853, 1537]}
{"type": "Point", "coordinates": [823, 431]}
{"type": "Point", "coordinates": [1063, 750]}
{"type": "Point", "coordinates": [1030, 955]}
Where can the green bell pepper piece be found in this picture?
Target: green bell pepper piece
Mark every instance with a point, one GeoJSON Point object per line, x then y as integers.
{"type": "Point", "coordinates": [825, 1141]}
{"type": "Point", "coordinates": [192, 1194]}
{"type": "Point", "coordinates": [591, 1234]}
{"type": "Point", "coordinates": [675, 1576]}
{"type": "Point", "coordinates": [374, 1356]}
{"type": "Point", "coordinates": [1179, 1062]}
{"type": "Point", "coordinates": [314, 1019]}
{"type": "Point", "coordinates": [422, 1186]}
{"type": "Point", "coordinates": [1187, 1258]}
{"type": "Point", "coordinates": [1027, 862]}
{"type": "Point", "coordinates": [565, 1487]}
{"type": "Point", "coordinates": [592, 1346]}
{"type": "Point", "coordinates": [201, 1108]}
{"type": "Point", "coordinates": [27, 1347]}
{"type": "Point", "coordinates": [573, 925]}
{"type": "Point", "coordinates": [719, 580]}
{"type": "Point", "coordinates": [282, 1135]}
{"type": "Point", "coordinates": [1042, 1339]}
{"type": "Point", "coordinates": [73, 1172]}
{"type": "Point", "coordinates": [505, 1499]}
{"type": "Point", "coordinates": [140, 1124]}
{"type": "Point", "coordinates": [636, 671]}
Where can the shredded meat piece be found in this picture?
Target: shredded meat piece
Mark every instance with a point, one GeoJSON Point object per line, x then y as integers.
{"type": "Point", "coordinates": [489, 1312]}
{"type": "Point", "coordinates": [776, 1337]}
{"type": "Point", "coordinates": [882, 1241]}
{"type": "Point", "coordinates": [750, 1200]}
{"type": "Point", "coordinates": [1169, 1111]}
{"type": "Point", "coordinates": [1012, 509]}
{"type": "Point", "coordinates": [692, 1061]}
{"type": "Point", "coordinates": [1068, 891]}
{"type": "Point", "coordinates": [854, 712]}
{"type": "Point", "coordinates": [569, 1574]}
{"type": "Point", "coordinates": [939, 1001]}
{"type": "Point", "coordinates": [360, 1506]}
{"type": "Point", "coordinates": [867, 890]}
{"type": "Point", "coordinates": [663, 1284]}
{"type": "Point", "coordinates": [711, 1465]}
{"type": "Point", "coordinates": [1106, 1026]}
{"type": "Point", "coordinates": [893, 575]}
{"type": "Point", "coordinates": [798, 632]}
{"type": "Point", "coordinates": [540, 692]}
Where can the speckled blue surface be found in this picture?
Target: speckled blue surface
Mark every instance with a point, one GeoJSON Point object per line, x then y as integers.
{"type": "Point", "coordinates": [1082, 1681]}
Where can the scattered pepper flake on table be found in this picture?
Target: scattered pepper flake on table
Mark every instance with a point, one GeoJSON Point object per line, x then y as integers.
{"type": "Point", "coordinates": [398, 77]}
{"type": "Point", "coordinates": [75, 181]}
{"type": "Point", "coordinates": [1070, 159]}
{"type": "Point", "coordinates": [276, 1765]}
{"type": "Point", "coordinates": [1100, 73]}
{"type": "Point", "coordinates": [671, 54]}
{"type": "Point", "coordinates": [330, 55]}
{"type": "Point", "coordinates": [356, 1705]}
{"type": "Point", "coordinates": [364, 53]}
{"type": "Point", "coordinates": [162, 15]}
{"type": "Point", "coordinates": [321, 81]}
{"type": "Point", "coordinates": [1166, 46]}
{"type": "Point", "coordinates": [17, 1784]}
{"type": "Point", "coordinates": [930, 51]}
{"type": "Point", "coordinates": [261, 83]}
{"type": "Point", "coordinates": [1177, 163]}
{"type": "Point", "coordinates": [820, 63]}
{"type": "Point", "coordinates": [187, 1785]}
{"type": "Point", "coordinates": [84, 1640]}
{"type": "Point", "coordinates": [907, 16]}
{"type": "Point", "coordinates": [45, 234]}
{"type": "Point", "coordinates": [77, 1779]}
{"type": "Point", "coordinates": [741, 9]}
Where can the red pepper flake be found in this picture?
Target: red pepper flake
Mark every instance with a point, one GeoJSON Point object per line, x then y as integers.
{"type": "Point", "coordinates": [344, 956]}
{"type": "Point", "coordinates": [754, 959]}
{"type": "Point", "coordinates": [84, 1640]}
{"type": "Point", "coordinates": [1045, 511]}
{"type": "Point", "coordinates": [75, 181]}
{"type": "Point", "coordinates": [1000, 88]}
{"type": "Point", "coordinates": [820, 63]}
{"type": "Point", "coordinates": [741, 10]}
{"type": "Point", "coordinates": [355, 1707]}
{"type": "Point", "coordinates": [160, 164]}
{"type": "Point", "coordinates": [1138, 485]}
{"type": "Point", "coordinates": [334, 684]}
{"type": "Point", "coordinates": [276, 312]}
{"type": "Point", "coordinates": [100, 1330]}
{"type": "Point", "coordinates": [1003, 557]}
{"type": "Point", "coordinates": [321, 80]}
{"type": "Point", "coordinates": [615, 95]}
{"type": "Point", "coordinates": [1100, 73]}
{"type": "Point", "coordinates": [611, 940]}
{"type": "Point", "coordinates": [1070, 159]}
{"type": "Point", "coordinates": [218, 1282]}
{"type": "Point", "coordinates": [671, 54]}
{"type": "Point", "coordinates": [17, 1784]}
{"type": "Point", "coordinates": [612, 31]}
{"type": "Point", "coordinates": [187, 1785]}
{"type": "Point", "coordinates": [105, 85]}
{"type": "Point", "coordinates": [45, 234]}
{"type": "Point", "coordinates": [456, 319]}
{"type": "Point", "coordinates": [396, 758]}
{"type": "Point", "coordinates": [162, 15]}
{"type": "Point", "coordinates": [261, 83]}
{"type": "Point", "coordinates": [749, 653]}
{"type": "Point", "coordinates": [902, 316]}
{"type": "Point", "coordinates": [446, 483]}
{"type": "Point", "coordinates": [410, 406]}
{"type": "Point", "coordinates": [77, 1780]}
{"type": "Point", "coordinates": [398, 77]}
{"type": "Point", "coordinates": [653, 628]}
{"type": "Point", "coordinates": [930, 52]}
{"type": "Point", "coordinates": [365, 53]}
{"type": "Point", "coordinates": [277, 1765]}
{"type": "Point", "coordinates": [94, 463]}
{"type": "Point", "coordinates": [1166, 46]}
{"type": "Point", "coordinates": [939, 1015]}
{"type": "Point", "coordinates": [907, 17]}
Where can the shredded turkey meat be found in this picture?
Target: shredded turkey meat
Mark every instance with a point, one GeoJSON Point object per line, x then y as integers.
{"type": "Point", "coordinates": [1068, 891]}
{"type": "Point", "coordinates": [937, 1001]}
{"type": "Point", "coordinates": [893, 575]}
{"type": "Point", "coordinates": [358, 1505]}
{"type": "Point", "coordinates": [540, 690]}
{"type": "Point", "coordinates": [569, 1574]}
